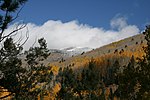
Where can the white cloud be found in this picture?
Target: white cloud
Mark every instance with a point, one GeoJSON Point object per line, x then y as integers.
{"type": "Point", "coordinates": [61, 35]}
{"type": "Point", "coordinates": [118, 23]}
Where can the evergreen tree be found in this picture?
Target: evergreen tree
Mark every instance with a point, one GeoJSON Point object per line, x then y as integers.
{"type": "Point", "coordinates": [112, 73]}
{"type": "Point", "coordinates": [83, 85]}
{"type": "Point", "coordinates": [144, 69]}
{"type": "Point", "coordinates": [128, 81]}
{"type": "Point", "coordinates": [66, 77]}
{"type": "Point", "coordinates": [134, 82]}
{"type": "Point", "coordinates": [21, 77]}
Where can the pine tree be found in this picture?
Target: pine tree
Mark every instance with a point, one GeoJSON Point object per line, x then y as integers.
{"type": "Point", "coordinates": [144, 69]}
{"type": "Point", "coordinates": [67, 79]}
{"type": "Point", "coordinates": [128, 81]}
{"type": "Point", "coordinates": [112, 73]}
{"type": "Point", "coordinates": [82, 85]}
{"type": "Point", "coordinates": [21, 77]}
{"type": "Point", "coordinates": [91, 82]}
{"type": "Point", "coordinates": [134, 82]}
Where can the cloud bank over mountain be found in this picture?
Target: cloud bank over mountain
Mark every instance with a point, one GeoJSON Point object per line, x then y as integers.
{"type": "Point", "coordinates": [62, 35]}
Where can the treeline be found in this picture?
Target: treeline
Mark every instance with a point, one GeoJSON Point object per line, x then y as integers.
{"type": "Point", "coordinates": [130, 82]}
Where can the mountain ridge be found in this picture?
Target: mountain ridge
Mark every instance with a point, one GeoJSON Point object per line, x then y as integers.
{"type": "Point", "coordinates": [123, 48]}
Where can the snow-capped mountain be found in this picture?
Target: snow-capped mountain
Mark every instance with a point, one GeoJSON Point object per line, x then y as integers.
{"type": "Point", "coordinates": [76, 50]}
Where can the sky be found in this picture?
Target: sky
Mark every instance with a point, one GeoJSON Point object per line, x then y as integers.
{"type": "Point", "coordinates": [96, 13]}
{"type": "Point", "coordinates": [83, 23]}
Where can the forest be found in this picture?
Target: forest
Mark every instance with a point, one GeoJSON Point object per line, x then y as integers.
{"type": "Point", "coordinates": [98, 79]}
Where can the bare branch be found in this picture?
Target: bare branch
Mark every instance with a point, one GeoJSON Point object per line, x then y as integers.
{"type": "Point", "coordinates": [2, 27]}
{"type": "Point", "coordinates": [27, 37]}
{"type": "Point", "coordinates": [21, 27]}
{"type": "Point", "coordinates": [34, 42]}
{"type": "Point", "coordinates": [17, 26]}
{"type": "Point", "coordinates": [6, 14]}
{"type": "Point", "coordinates": [17, 13]}
{"type": "Point", "coordinates": [19, 40]}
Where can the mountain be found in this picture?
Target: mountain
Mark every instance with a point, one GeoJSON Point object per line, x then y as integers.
{"type": "Point", "coordinates": [62, 54]}
{"type": "Point", "coordinates": [124, 49]}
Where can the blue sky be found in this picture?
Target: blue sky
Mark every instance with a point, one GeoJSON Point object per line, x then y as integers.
{"type": "Point", "coordinates": [96, 13]}
{"type": "Point", "coordinates": [83, 23]}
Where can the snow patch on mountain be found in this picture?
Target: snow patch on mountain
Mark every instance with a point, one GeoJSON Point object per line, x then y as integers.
{"type": "Point", "coordinates": [76, 50]}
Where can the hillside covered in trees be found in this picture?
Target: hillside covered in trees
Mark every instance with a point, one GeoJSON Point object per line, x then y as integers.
{"type": "Point", "coordinates": [118, 71]}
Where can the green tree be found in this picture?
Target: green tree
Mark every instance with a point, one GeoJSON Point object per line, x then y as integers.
{"type": "Point", "coordinates": [112, 73]}
{"type": "Point", "coordinates": [21, 77]}
{"type": "Point", "coordinates": [9, 50]}
{"type": "Point", "coordinates": [82, 85]}
{"type": "Point", "coordinates": [67, 79]}
{"type": "Point", "coordinates": [8, 7]}
{"type": "Point", "coordinates": [134, 82]}
{"type": "Point", "coordinates": [128, 81]}
{"type": "Point", "coordinates": [144, 69]}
